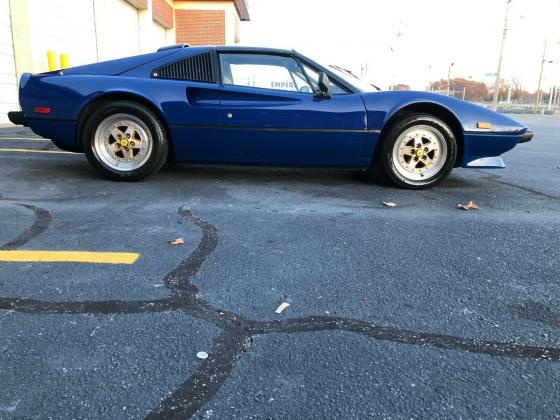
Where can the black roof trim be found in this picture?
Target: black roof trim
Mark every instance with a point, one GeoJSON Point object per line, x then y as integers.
{"type": "Point", "coordinates": [241, 48]}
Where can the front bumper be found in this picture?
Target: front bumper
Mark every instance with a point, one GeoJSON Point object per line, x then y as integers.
{"type": "Point", "coordinates": [17, 117]}
{"type": "Point", "coordinates": [526, 137]}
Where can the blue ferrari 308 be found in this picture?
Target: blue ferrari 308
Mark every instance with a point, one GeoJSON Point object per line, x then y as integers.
{"type": "Point", "coordinates": [256, 106]}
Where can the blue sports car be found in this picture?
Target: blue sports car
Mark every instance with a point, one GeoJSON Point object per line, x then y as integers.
{"type": "Point", "coordinates": [256, 106]}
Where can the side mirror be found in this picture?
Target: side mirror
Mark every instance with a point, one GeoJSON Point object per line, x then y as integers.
{"type": "Point", "coordinates": [324, 85]}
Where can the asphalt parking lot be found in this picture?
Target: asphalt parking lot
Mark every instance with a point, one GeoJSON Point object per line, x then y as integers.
{"type": "Point", "coordinates": [421, 310]}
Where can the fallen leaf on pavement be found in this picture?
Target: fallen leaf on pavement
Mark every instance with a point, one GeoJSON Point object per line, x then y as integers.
{"type": "Point", "coordinates": [470, 206]}
{"type": "Point", "coordinates": [389, 204]}
{"type": "Point", "coordinates": [281, 308]}
{"type": "Point", "coordinates": [178, 241]}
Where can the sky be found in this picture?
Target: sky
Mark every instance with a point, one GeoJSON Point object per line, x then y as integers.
{"type": "Point", "coordinates": [414, 41]}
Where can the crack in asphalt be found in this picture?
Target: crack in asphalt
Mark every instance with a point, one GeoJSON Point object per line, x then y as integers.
{"type": "Point", "coordinates": [237, 331]}
{"type": "Point", "coordinates": [42, 220]}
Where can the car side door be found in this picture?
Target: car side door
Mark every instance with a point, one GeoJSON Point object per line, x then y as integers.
{"type": "Point", "coordinates": [188, 91]}
{"type": "Point", "coordinates": [273, 115]}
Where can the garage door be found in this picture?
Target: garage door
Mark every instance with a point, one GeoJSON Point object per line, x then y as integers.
{"type": "Point", "coordinates": [8, 80]}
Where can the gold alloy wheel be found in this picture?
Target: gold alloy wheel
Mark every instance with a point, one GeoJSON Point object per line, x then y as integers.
{"type": "Point", "coordinates": [122, 142]}
{"type": "Point", "coordinates": [420, 152]}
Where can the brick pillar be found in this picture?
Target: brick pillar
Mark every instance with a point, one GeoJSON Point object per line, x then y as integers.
{"type": "Point", "coordinates": [200, 27]}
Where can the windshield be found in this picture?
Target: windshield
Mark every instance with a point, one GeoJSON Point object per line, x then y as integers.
{"type": "Point", "coordinates": [354, 80]}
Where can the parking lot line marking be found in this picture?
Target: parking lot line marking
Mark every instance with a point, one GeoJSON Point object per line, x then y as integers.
{"type": "Point", "coordinates": [69, 256]}
{"type": "Point", "coordinates": [58, 152]}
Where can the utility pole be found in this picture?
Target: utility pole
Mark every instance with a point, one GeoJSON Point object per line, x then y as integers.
{"type": "Point", "coordinates": [499, 71]}
{"type": "Point", "coordinates": [539, 93]}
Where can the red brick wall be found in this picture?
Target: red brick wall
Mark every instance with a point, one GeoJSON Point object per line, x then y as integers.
{"type": "Point", "coordinates": [162, 13]}
{"type": "Point", "coordinates": [200, 27]}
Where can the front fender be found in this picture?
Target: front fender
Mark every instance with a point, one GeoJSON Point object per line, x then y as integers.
{"type": "Point", "coordinates": [381, 106]}
{"type": "Point", "coordinates": [482, 144]}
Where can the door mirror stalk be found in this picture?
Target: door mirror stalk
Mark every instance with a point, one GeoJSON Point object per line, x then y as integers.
{"type": "Point", "coordinates": [324, 86]}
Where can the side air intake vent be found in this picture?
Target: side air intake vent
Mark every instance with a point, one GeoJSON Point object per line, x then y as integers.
{"type": "Point", "coordinates": [197, 68]}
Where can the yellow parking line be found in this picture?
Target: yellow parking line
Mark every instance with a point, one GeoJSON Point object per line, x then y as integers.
{"type": "Point", "coordinates": [57, 152]}
{"type": "Point", "coordinates": [69, 256]}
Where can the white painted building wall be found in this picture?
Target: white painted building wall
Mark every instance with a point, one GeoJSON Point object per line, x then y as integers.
{"type": "Point", "coordinates": [117, 29]}
{"type": "Point", "coordinates": [8, 81]}
{"type": "Point", "coordinates": [62, 26]}
{"type": "Point", "coordinates": [159, 36]}
{"type": "Point", "coordinates": [87, 30]}
{"type": "Point", "coordinates": [90, 30]}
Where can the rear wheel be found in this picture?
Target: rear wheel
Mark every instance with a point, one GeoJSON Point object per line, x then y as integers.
{"type": "Point", "coordinates": [418, 152]}
{"type": "Point", "coordinates": [125, 141]}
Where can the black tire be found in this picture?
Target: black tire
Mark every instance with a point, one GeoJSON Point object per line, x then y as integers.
{"type": "Point", "coordinates": [385, 160]}
{"type": "Point", "coordinates": [160, 145]}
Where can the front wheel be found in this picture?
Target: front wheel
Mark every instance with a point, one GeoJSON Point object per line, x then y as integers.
{"type": "Point", "coordinates": [418, 152]}
{"type": "Point", "coordinates": [125, 141]}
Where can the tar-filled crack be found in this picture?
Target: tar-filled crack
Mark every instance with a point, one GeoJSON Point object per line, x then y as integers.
{"type": "Point", "coordinates": [42, 221]}
{"type": "Point", "coordinates": [238, 332]}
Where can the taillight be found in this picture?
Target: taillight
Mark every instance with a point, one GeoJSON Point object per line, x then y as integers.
{"type": "Point", "coordinates": [42, 110]}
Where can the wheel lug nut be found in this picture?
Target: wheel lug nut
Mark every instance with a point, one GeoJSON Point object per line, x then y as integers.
{"type": "Point", "coordinates": [425, 149]}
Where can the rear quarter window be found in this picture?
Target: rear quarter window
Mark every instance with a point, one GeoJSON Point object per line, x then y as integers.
{"type": "Point", "coordinates": [196, 68]}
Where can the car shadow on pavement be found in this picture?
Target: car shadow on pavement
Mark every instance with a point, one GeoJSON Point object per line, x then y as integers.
{"type": "Point", "coordinates": [537, 312]}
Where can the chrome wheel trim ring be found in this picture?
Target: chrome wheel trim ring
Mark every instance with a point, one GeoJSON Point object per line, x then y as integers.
{"type": "Point", "coordinates": [420, 153]}
{"type": "Point", "coordinates": [122, 142]}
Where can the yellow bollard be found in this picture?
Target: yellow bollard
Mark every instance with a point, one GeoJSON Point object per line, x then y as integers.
{"type": "Point", "coordinates": [64, 61]}
{"type": "Point", "coordinates": [51, 57]}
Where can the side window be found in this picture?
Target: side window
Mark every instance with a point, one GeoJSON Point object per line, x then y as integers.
{"type": "Point", "coordinates": [263, 71]}
{"type": "Point", "coordinates": [196, 68]}
{"type": "Point", "coordinates": [314, 77]}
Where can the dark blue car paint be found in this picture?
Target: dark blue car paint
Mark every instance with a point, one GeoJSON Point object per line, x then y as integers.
{"type": "Point", "coordinates": [208, 122]}
{"type": "Point", "coordinates": [121, 65]}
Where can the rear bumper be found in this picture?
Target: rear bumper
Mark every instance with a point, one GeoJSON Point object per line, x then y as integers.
{"type": "Point", "coordinates": [526, 137]}
{"type": "Point", "coordinates": [17, 118]}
